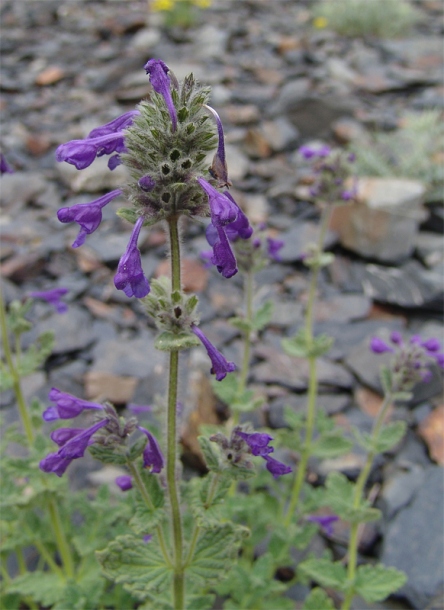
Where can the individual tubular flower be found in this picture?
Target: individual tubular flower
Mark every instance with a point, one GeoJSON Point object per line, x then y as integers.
{"type": "Point", "coordinates": [223, 209]}
{"type": "Point", "coordinates": [223, 256]}
{"type": "Point", "coordinates": [218, 169]}
{"type": "Point", "coordinates": [5, 168]}
{"type": "Point", "coordinates": [87, 215]}
{"type": "Point", "coordinates": [276, 468]}
{"type": "Point", "coordinates": [258, 442]}
{"type": "Point", "coordinates": [67, 406]}
{"type": "Point", "coordinates": [161, 79]}
{"type": "Point", "coordinates": [74, 447]}
{"type": "Point", "coordinates": [116, 125]}
{"type": "Point", "coordinates": [53, 297]}
{"type": "Point", "coordinates": [273, 247]}
{"type": "Point", "coordinates": [152, 455]}
{"type": "Point", "coordinates": [378, 346]}
{"type": "Point", "coordinates": [81, 153]}
{"type": "Point", "coordinates": [125, 482]}
{"type": "Point", "coordinates": [220, 366]}
{"type": "Point", "coordinates": [310, 152]}
{"type": "Point", "coordinates": [325, 522]}
{"type": "Point", "coordinates": [129, 276]}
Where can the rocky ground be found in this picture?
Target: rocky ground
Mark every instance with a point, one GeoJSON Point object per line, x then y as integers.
{"type": "Point", "coordinates": [70, 65]}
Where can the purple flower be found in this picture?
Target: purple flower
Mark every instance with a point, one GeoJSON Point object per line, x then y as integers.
{"type": "Point", "coordinates": [81, 153]}
{"type": "Point", "coordinates": [5, 168]}
{"type": "Point", "coordinates": [63, 435]}
{"type": "Point", "coordinates": [87, 215]}
{"type": "Point", "coordinates": [72, 449]}
{"type": "Point", "coordinates": [223, 209]}
{"type": "Point", "coordinates": [147, 538]}
{"type": "Point", "coordinates": [223, 256]}
{"type": "Point", "coordinates": [431, 345]}
{"type": "Point", "coordinates": [220, 366]}
{"type": "Point", "coordinates": [152, 455]}
{"type": "Point", "coordinates": [67, 406]}
{"type": "Point", "coordinates": [308, 152]}
{"type": "Point", "coordinates": [114, 162]}
{"type": "Point", "coordinates": [146, 183]}
{"type": "Point", "coordinates": [378, 346]}
{"type": "Point", "coordinates": [125, 482]}
{"type": "Point", "coordinates": [116, 125]}
{"type": "Point", "coordinates": [274, 245]}
{"type": "Point", "coordinates": [139, 409]}
{"type": "Point", "coordinates": [325, 521]}
{"type": "Point", "coordinates": [276, 468]}
{"type": "Point", "coordinates": [161, 83]}
{"type": "Point", "coordinates": [129, 276]}
{"type": "Point", "coordinates": [53, 297]}
{"type": "Point", "coordinates": [258, 442]}
{"type": "Point", "coordinates": [396, 337]}
{"type": "Point", "coordinates": [218, 169]}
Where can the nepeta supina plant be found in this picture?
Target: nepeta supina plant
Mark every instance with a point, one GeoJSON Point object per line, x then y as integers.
{"type": "Point", "coordinates": [164, 144]}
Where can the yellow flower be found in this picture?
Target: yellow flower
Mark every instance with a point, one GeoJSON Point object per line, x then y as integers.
{"type": "Point", "coordinates": [320, 23]}
{"type": "Point", "coordinates": [202, 3]}
{"type": "Point", "coordinates": [162, 5]}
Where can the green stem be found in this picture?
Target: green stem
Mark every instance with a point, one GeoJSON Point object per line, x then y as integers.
{"type": "Point", "coordinates": [61, 541]}
{"type": "Point", "coordinates": [357, 498]}
{"type": "Point", "coordinates": [176, 517]}
{"type": "Point", "coordinates": [46, 555]}
{"type": "Point", "coordinates": [148, 502]}
{"type": "Point", "coordinates": [312, 376]}
{"type": "Point", "coordinates": [249, 286]}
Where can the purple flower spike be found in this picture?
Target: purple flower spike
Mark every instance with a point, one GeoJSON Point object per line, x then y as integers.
{"type": "Point", "coordinates": [52, 297]}
{"type": "Point", "coordinates": [5, 168]}
{"type": "Point", "coordinates": [152, 455]}
{"type": "Point", "coordinates": [325, 521]}
{"type": "Point", "coordinates": [161, 83]}
{"type": "Point", "coordinates": [258, 442]}
{"type": "Point", "coordinates": [87, 215]}
{"type": "Point", "coordinates": [223, 209]}
{"type": "Point", "coordinates": [220, 366]}
{"type": "Point", "coordinates": [81, 153]}
{"type": "Point", "coordinates": [274, 245]}
{"type": "Point", "coordinates": [67, 406]}
{"type": "Point", "coordinates": [378, 346]}
{"type": "Point", "coordinates": [276, 468]}
{"type": "Point", "coordinates": [218, 169]}
{"type": "Point", "coordinates": [121, 122]}
{"type": "Point", "coordinates": [129, 276]}
{"type": "Point", "coordinates": [125, 482]}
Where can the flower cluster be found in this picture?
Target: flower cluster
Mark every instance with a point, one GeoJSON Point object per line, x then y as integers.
{"type": "Point", "coordinates": [241, 444]}
{"type": "Point", "coordinates": [332, 171]}
{"type": "Point", "coordinates": [164, 152]}
{"type": "Point", "coordinates": [74, 441]}
{"type": "Point", "coordinates": [411, 360]}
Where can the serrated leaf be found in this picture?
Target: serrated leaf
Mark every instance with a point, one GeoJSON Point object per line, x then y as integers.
{"type": "Point", "coordinates": [145, 519]}
{"type": "Point", "coordinates": [216, 550]}
{"type": "Point", "coordinates": [36, 354]}
{"type": "Point", "coordinates": [330, 445]}
{"type": "Point", "coordinates": [168, 341]}
{"type": "Point", "coordinates": [210, 454]}
{"type": "Point", "coordinates": [191, 304]}
{"type": "Point", "coordinates": [376, 583]}
{"type": "Point", "coordinates": [241, 323]}
{"type": "Point", "coordinates": [262, 316]}
{"type": "Point", "coordinates": [226, 390]}
{"type": "Point", "coordinates": [42, 587]}
{"type": "Point", "coordinates": [325, 572]}
{"type": "Point", "coordinates": [128, 214]}
{"type": "Point", "coordinates": [296, 346]}
{"type": "Point", "coordinates": [340, 498]}
{"type": "Point", "coordinates": [137, 448]}
{"type": "Point", "coordinates": [389, 436]}
{"type": "Point", "coordinates": [107, 455]}
{"type": "Point", "coordinates": [294, 420]}
{"type": "Point", "coordinates": [139, 566]}
{"type": "Point", "coordinates": [318, 600]}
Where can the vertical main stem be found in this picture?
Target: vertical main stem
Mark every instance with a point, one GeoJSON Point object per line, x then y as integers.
{"type": "Point", "coordinates": [176, 518]}
{"type": "Point", "coordinates": [359, 489]}
{"type": "Point", "coordinates": [248, 286]}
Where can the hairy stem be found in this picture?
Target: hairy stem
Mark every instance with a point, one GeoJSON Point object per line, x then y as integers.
{"type": "Point", "coordinates": [176, 517]}
{"type": "Point", "coordinates": [248, 287]}
{"type": "Point", "coordinates": [357, 499]}
{"type": "Point", "coordinates": [312, 376]}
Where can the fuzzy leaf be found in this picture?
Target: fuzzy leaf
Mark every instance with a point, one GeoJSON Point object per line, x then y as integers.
{"type": "Point", "coordinates": [137, 449]}
{"type": "Point", "coordinates": [169, 342]}
{"type": "Point", "coordinates": [36, 354]}
{"type": "Point", "coordinates": [42, 587]}
{"type": "Point", "coordinates": [301, 347]}
{"type": "Point", "coordinates": [145, 520]}
{"type": "Point", "coordinates": [330, 445]}
{"type": "Point", "coordinates": [318, 599]}
{"type": "Point", "coordinates": [139, 566]}
{"type": "Point", "coordinates": [385, 376]}
{"type": "Point", "coordinates": [107, 455]}
{"type": "Point", "coordinates": [389, 436]}
{"type": "Point", "coordinates": [376, 583]}
{"type": "Point", "coordinates": [262, 316]}
{"type": "Point", "coordinates": [6, 379]}
{"type": "Point", "coordinates": [210, 454]}
{"type": "Point", "coordinates": [241, 323]}
{"type": "Point", "coordinates": [127, 214]}
{"type": "Point", "coordinates": [340, 497]}
{"type": "Point", "coordinates": [226, 390]}
{"type": "Point", "coordinates": [325, 572]}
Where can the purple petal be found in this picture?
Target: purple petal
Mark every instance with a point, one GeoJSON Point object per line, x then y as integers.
{"type": "Point", "coordinates": [276, 468]}
{"type": "Point", "coordinates": [125, 482]}
{"type": "Point", "coordinates": [53, 297]}
{"type": "Point", "coordinates": [325, 521]}
{"type": "Point", "coordinates": [223, 209]}
{"type": "Point", "coordinates": [223, 256]}
{"type": "Point", "coordinates": [152, 455]}
{"type": "Point", "coordinates": [274, 245]}
{"type": "Point", "coordinates": [129, 276]}
{"type": "Point", "coordinates": [121, 122]}
{"type": "Point", "coordinates": [76, 446]}
{"type": "Point", "coordinates": [67, 406]}
{"type": "Point", "coordinates": [81, 153]}
{"type": "Point", "coordinates": [378, 346]}
{"type": "Point", "coordinates": [146, 183]}
{"type": "Point", "coordinates": [63, 435]}
{"type": "Point", "coordinates": [220, 366]}
{"type": "Point", "coordinates": [431, 345]}
{"type": "Point", "coordinates": [258, 442]}
{"type": "Point", "coordinates": [161, 83]}
{"type": "Point", "coordinates": [55, 463]}
{"type": "Point", "coordinates": [218, 168]}
{"type": "Point", "coordinates": [5, 168]}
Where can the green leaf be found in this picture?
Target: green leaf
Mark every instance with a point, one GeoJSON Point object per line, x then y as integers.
{"type": "Point", "coordinates": [36, 354]}
{"type": "Point", "coordinates": [318, 600]}
{"type": "Point", "coordinates": [107, 455]}
{"type": "Point", "coordinates": [302, 347]}
{"type": "Point", "coordinates": [210, 454]}
{"type": "Point", "coordinates": [385, 376]}
{"type": "Point", "coordinates": [137, 449]}
{"type": "Point", "coordinates": [241, 323]}
{"type": "Point", "coordinates": [262, 316]}
{"type": "Point", "coordinates": [145, 520]}
{"type": "Point", "coordinates": [327, 573]}
{"type": "Point", "coordinates": [340, 498]}
{"type": "Point", "coordinates": [389, 436]}
{"type": "Point", "coordinates": [6, 378]}
{"type": "Point", "coordinates": [42, 587]}
{"type": "Point", "coordinates": [216, 550]}
{"type": "Point", "coordinates": [191, 304]}
{"type": "Point", "coordinates": [139, 566]}
{"type": "Point", "coordinates": [127, 214]}
{"type": "Point", "coordinates": [294, 420]}
{"type": "Point", "coordinates": [331, 444]}
{"type": "Point", "coordinates": [376, 583]}
{"type": "Point", "coordinates": [169, 342]}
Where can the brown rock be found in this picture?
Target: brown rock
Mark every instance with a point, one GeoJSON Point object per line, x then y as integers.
{"type": "Point", "coordinates": [104, 386]}
{"type": "Point", "coordinates": [194, 274]}
{"type": "Point", "coordinates": [370, 403]}
{"type": "Point", "coordinates": [431, 430]}
{"type": "Point", "coordinates": [49, 76]}
{"type": "Point", "coordinates": [241, 115]}
{"type": "Point", "coordinates": [37, 144]}
{"type": "Point", "coordinates": [256, 144]}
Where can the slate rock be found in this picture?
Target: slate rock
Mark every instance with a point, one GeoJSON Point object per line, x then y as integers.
{"type": "Point", "coordinates": [93, 179]}
{"type": "Point", "coordinates": [342, 308]}
{"type": "Point", "coordinates": [72, 330]}
{"type": "Point", "coordinates": [413, 541]}
{"type": "Point", "coordinates": [398, 490]}
{"type": "Point", "coordinates": [331, 403]}
{"type": "Point", "coordinates": [21, 188]}
{"type": "Point", "coordinates": [299, 237]}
